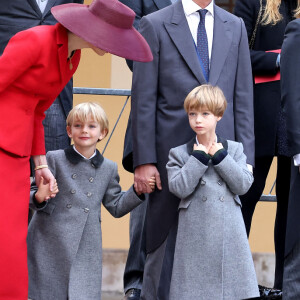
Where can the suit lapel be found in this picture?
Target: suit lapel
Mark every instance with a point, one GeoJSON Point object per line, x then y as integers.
{"type": "Point", "coordinates": [35, 7]}
{"type": "Point", "coordinates": [162, 3]}
{"type": "Point", "coordinates": [179, 32]}
{"type": "Point", "coordinates": [49, 5]}
{"type": "Point", "coordinates": [221, 44]}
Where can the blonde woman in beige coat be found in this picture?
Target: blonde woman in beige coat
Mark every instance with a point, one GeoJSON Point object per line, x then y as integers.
{"type": "Point", "coordinates": [212, 255]}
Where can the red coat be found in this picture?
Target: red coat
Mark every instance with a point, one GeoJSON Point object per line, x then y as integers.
{"type": "Point", "coordinates": [34, 68]}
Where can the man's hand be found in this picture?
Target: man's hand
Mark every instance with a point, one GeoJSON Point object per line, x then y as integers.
{"type": "Point", "coordinates": [142, 178]}
{"type": "Point", "coordinates": [215, 147]}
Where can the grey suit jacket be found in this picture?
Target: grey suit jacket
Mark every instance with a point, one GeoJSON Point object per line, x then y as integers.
{"type": "Point", "coordinates": [64, 237]}
{"type": "Point", "coordinates": [290, 92]}
{"type": "Point", "coordinates": [141, 9]}
{"type": "Point", "coordinates": [18, 15]}
{"type": "Point", "coordinates": [159, 88]}
{"type": "Point", "coordinates": [212, 255]}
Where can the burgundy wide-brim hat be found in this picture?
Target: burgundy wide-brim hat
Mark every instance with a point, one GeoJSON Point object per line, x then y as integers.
{"type": "Point", "coordinates": [106, 24]}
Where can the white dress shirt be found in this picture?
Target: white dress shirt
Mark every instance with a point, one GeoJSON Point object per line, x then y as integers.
{"type": "Point", "coordinates": [193, 18]}
{"type": "Point", "coordinates": [42, 4]}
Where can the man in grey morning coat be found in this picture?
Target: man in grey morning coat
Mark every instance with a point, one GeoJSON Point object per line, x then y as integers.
{"type": "Point", "coordinates": [159, 121]}
{"type": "Point", "coordinates": [134, 269]}
{"type": "Point", "coordinates": [290, 92]}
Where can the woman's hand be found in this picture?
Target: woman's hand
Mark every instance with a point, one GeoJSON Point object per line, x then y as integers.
{"type": "Point", "coordinates": [43, 193]}
{"type": "Point", "coordinates": [48, 178]}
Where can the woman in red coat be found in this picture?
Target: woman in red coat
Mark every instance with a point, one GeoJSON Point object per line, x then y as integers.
{"type": "Point", "coordinates": [34, 68]}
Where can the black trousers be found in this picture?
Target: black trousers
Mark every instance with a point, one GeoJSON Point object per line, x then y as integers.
{"type": "Point", "coordinates": [249, 201]}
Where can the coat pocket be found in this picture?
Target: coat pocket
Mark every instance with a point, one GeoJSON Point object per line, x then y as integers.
{"type": "Point", "coordinates": [237, 200]}
{"type": "Point", "coordinates": [184, 203]}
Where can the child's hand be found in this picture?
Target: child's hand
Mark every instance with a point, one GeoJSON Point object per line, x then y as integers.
{"type": "Point", "coordinates": [200, 147]}
{"type": "Point", "coordinates": [43, 193]}
{"type": "Point", "coordinates": [151, 182]}
{"type": "Point", "coordinates": [215, 147]}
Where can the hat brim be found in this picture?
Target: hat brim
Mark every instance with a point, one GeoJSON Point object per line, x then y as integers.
{"type": "Point", "coordinates": [123, 42]}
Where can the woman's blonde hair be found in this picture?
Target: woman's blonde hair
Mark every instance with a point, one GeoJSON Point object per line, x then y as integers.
{"type": "Point", "coordinates": [208, 97]}
{"type": "Point", "coordinates": [83, 111]}
{"type": "Point", "coordinates": [272, 15]}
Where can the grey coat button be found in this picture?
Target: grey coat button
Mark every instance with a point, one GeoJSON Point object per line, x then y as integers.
{"type": "Point", "coordinates": [69, 205]}
{"type": "Point", "coordinates": [204, 198]}
{"type": "Point", "coordinates": [219, 182]}
{"type": "Point", "coordinates": [203, 182]}
{"type": "Point", "coordinates": [73, 192]}
{"type": "Point", "coordinates": [91, 179]}
{"type": "Point", "coordinates": [89, 194]}
{"type": "Point", "coordinates": [222, 198]}
{"type": "Point", "coordinates": [74, 176]}
{"type": "Point", "coordinates": [93, 165]}
{"type": "Point", "coordinates": [86, 210]}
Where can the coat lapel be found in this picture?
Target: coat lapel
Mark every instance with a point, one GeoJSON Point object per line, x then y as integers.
{"type": "Point", "coordinates": [221, 44]}
{"type": "Point", "coordinates": [61, 38]}
{"type": "Point", "coordinates": [162, 3]}
{"type": "Point", "coordinates": [48, 7]}
{"type": "Point", "coordinates": [179, 32]}
{"type": "Point", "coordinates": [35, 7]}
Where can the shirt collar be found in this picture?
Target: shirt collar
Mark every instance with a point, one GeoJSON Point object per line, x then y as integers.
{"type": "Point", "coordinates": [83, 155]}
{"type": "Point", "coordinates": [190, 7]}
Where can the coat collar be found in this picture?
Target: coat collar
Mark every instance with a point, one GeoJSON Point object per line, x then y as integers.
{"type": "Point", "coordinates": [74, 158]}
{"type": "Point", "coordinates": [162, 3]}
{"type": "Point", "coordinates": [190, 144]}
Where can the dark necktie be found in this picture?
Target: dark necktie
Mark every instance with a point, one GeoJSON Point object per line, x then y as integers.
{"type": "Point", "coordinates": [202, 44]}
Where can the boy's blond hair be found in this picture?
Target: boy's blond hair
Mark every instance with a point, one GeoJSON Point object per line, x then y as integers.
{"type": "Point", "coordinates": [206, 96]}
{"type": "Point", "coordinates": [82, 111]}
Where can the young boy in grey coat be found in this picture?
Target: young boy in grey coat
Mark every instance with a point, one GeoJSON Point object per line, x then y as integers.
{"type": "Point", "coordinates": [64, 236]}
{"type": "Point", "coordinates": [212, 255]}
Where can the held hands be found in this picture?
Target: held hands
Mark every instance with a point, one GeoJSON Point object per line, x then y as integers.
{"type": "Point", "coordinates": [145, 179]}
{"type": "Point", "coordinates": [44, 193]}
{"type": "Point", "coordinates": [211, 150]}
{"type": "Point", "coordinates": [47, 177]}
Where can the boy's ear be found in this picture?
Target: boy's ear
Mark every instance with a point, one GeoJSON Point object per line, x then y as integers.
{"type": "Point", "coordinates": [103, 134]}
{"type": "Point", "coordinates": [69, 132]}
{"type": "Point", "coordinates": [219, 118]}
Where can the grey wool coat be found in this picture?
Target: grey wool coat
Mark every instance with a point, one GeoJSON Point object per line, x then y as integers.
{"type": "Point", "coordinates": [212, 255]}
{"type": "Point", "coordinates": [64, 237]}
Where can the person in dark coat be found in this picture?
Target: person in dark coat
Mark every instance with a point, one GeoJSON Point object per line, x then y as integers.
{"type": "Point", "coordinates": [290, 87]}
{"type": "Point", "coordinates": [269, 123]}
{"type": "Point", "coordinates": [134, 268]}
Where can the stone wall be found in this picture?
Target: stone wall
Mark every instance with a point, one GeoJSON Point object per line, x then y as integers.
{"type": "Point", "coordinates": [114, 263]}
